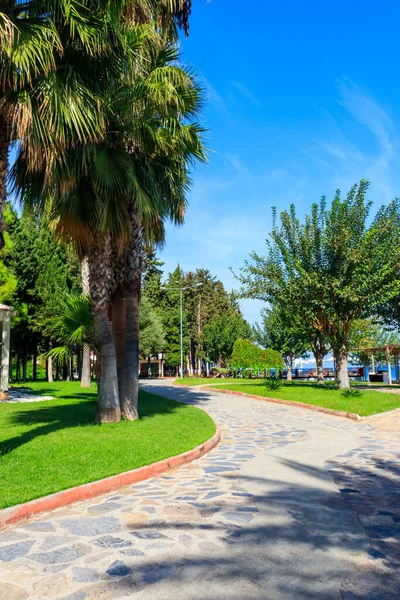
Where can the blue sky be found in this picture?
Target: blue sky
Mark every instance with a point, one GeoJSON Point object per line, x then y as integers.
{"type": "Point", "coordinates": [302, 98]}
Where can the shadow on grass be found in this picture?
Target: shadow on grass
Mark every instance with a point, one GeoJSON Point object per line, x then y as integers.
{"type": "Point", "coordinates": [82, 413]}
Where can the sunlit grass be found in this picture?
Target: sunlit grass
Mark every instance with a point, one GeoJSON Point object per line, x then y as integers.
{"type": "Point", "coordinates": [52, 445]}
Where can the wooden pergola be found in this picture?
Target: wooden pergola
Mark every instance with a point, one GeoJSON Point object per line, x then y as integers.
{"type": "Point", "coordinates": [391, 350]}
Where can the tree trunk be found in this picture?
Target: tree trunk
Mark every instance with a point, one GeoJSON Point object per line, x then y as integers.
{"type": "Point", "coordinates": [132, 283]}
{"type": "Point", "coordinates": [68, 368]}
{"type": "Point", "coordinates": [34, 362]}
{"type": "Point", "coordinates": [341, 368]}
{"type": "Point", "coordinates": [85, 273]}
{"type": "Point", "coordinates": [17, 370]}
{"type": "Point", "coordinates": [320, 370]}
{"type": "Point", "coordinates": [108, 409]}
{"type": "Point", "coordinates": [24, 367]}
{"type": "Point", "coordinates": [289, 369]}
{"type": "Point", "coordinates": [50, 369]}
{"type": "Point", "coordinates": [130, 372]}
{"type": "Point", "coordinates": [85, 375]}
{"type": "Point", "coordinates": [118, 330]}
{"type": "Point", "coordinates": [85, 378]}
{"type": "Point", "coordinates": [4, 143]}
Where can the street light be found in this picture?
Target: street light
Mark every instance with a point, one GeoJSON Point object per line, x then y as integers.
{"type": "Point", "coordinates": [181, 290]}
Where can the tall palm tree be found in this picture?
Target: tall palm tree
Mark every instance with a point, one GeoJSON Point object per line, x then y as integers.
{"type": "Point", "coordinates": [26, 49]}
{"type": "Point", "coordinates": [56, 61]}
{"type": "Point", "coordinates": [98, 181]}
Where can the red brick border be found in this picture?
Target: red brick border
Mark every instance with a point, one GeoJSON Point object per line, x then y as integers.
{"type": "Point", "coordinates": [21, 512]}
{"type": "Point", "coordinates": [328, 411]}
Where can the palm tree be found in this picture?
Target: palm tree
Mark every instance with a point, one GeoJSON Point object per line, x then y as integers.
{"type": "Point", "coordinates": [135, 173]}
{"type": "Point", "coordinates": [56, 61]}
{"type": "Point", "coordinates": [75, 330]}
{"type": "Point", "coordinates": [26, 49]}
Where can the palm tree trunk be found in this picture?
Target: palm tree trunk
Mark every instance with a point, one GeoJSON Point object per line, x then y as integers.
{"type": "Point", "coordinates": [108, 409]}
{"type": "Point", "coordinates": [85, 377]}
{"type": "Point", "coordinates": [118, 330]}
{"type": "Point", "coordinates": [132, 284]}
{"type": "Point", "coordinates": [4, 143]}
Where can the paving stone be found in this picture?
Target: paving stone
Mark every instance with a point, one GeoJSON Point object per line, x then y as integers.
{"type": "Point", "coordinates": [108, 541]}
{"type": "Point", "coordinates": [375, 553]}
{"type": "Point", "coordinates": [214, 495]}
{"type": "Point", "coordinates": [54, 541]}
{"type": "Point", "coordinates": [118, 569]}
{"type": "Point", "coordinates": [91, 526]}
{"type": "Point", "coordinates": [85, 575]}
{"type": "Point", "coordinates": [105, 507]}
{"type": "Point", "coordinates": [148, 535]}
{"type": "Point", "coordinates": [39, 526]}
{"type": "Point", "coordinates": [132, 552]}
{"type": "Point", "coordinates": [238, 517]}
{"type": "Point", "coordinates": [156, 574]}
{"type": "Point", "coordinates": [14, 551]}
{"type": "Point", "coordinates": [11, 536]}
{"type": "Point", "coordinates": [62, 555]}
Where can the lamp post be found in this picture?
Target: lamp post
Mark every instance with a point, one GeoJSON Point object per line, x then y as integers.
{"type": "Point", "coordinates": [181, 290]}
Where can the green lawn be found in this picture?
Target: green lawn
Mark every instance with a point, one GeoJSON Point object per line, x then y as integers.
{"type": "Point", "coordinates": [369, 403]}
{"type": "Point", "coordinates": [49, 446]}
{"type": "Point", "coordinates": [206, 381]}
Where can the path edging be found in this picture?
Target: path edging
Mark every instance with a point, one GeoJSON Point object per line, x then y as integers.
{"type": "Point", "coordinates": [328, 411]}
{"type": "Point", "coordinates": [86, 491]}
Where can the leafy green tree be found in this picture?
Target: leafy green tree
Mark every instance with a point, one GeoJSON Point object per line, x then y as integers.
{"type": "Point", "coordinates": [8, 280]}
{"type": "Point", "coordinates": [280, 331]}
{"type": "Point", "coordinates": [220, 335]}
{"type": "Point", "coordinates": [152, 339]}
{"type": "Point", "coordinates": [205, 298]}
{"type": "Point", "coordinates": [172, 320]}
{"type": "Point", "coordinates": [110, 193]}
{"type": "Point", "coordinates": [152, 275]}
{"type": "Point", "coordinates": [250, 358]}
{"type": "Point", "coordinates": [331, 269]}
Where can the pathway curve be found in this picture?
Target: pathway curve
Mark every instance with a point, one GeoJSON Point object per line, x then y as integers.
{"type": "Point", "coordinates": [292, 504]}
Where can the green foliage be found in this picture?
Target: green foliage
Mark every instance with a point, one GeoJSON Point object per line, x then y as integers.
{"type": "Point", "coordinates": [152, 338]}
{"type": "Point", "coordinates": [282, 332]}
{"type": "Point", "coordinates": [351, 393]}
{"type": "Point", "coordinates": [246, 356]}
{"type": "Point", "coordinates": [220, 335]}
{"type": "Point", "coordinates": [332, 268]}
{"type": "Point", "coordinates": [221, 371]}
{"type": "Point", "coordinates": [171, 320]}
{"type": "Point", "coordinates": [272, 382]}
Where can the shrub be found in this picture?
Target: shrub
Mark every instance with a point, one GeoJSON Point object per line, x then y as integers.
{"type": "Point", "coordinates": [351, 393]}
{"type": "Point", "coordinates": [272, 383]}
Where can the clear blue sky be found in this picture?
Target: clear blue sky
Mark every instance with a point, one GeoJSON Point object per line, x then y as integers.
{"type": "Point", "coordinates": [302, 98]}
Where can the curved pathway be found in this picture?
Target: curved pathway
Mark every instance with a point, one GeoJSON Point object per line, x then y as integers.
{"type": "Point", "coordinates": [292, 505]}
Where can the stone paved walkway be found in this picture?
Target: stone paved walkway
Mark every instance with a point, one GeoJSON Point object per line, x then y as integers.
{"type": "Point", "coordinates": [292, 504]}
